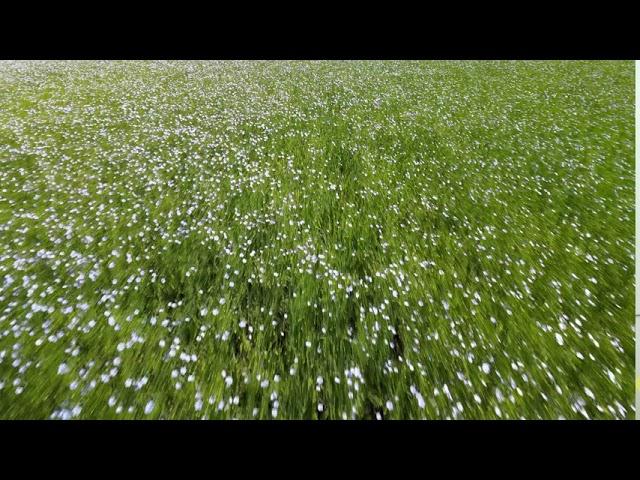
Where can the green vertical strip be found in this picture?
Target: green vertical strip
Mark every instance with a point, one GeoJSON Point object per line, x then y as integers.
{"type": "Point", "coordinates": [637, 236]}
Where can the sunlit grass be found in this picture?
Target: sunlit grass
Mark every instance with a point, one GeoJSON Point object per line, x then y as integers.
{"type": "Point", "coordinates": [316, 240]}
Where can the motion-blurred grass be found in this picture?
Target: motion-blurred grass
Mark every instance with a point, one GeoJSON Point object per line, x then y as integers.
{"type": "Point", "coordinates": [316, 240]}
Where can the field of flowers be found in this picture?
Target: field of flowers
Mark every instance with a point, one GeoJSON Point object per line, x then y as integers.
{"type": "Point", "coordinates": [316, 240]}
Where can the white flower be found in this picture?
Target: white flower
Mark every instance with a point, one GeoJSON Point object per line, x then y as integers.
{"type": "Point", "coordinates": [446, 391]}
{"type": "Point", "coordinates": [63, 368]}
{"type": "Point", "coordinates": [389, 405]}
{"type": "Point", "coordinates": [148, 408]}
{"type": "Point", "coordinates": [559, 339]}
{"type": "Point", "coordinates": [486, 368]}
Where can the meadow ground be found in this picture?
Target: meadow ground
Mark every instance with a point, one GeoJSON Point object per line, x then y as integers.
{"type": "Point", "coordinates": [397, 240]}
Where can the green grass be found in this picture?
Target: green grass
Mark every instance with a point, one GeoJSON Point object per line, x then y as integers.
{"type": "Point", "coordinates": [452, 239]}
